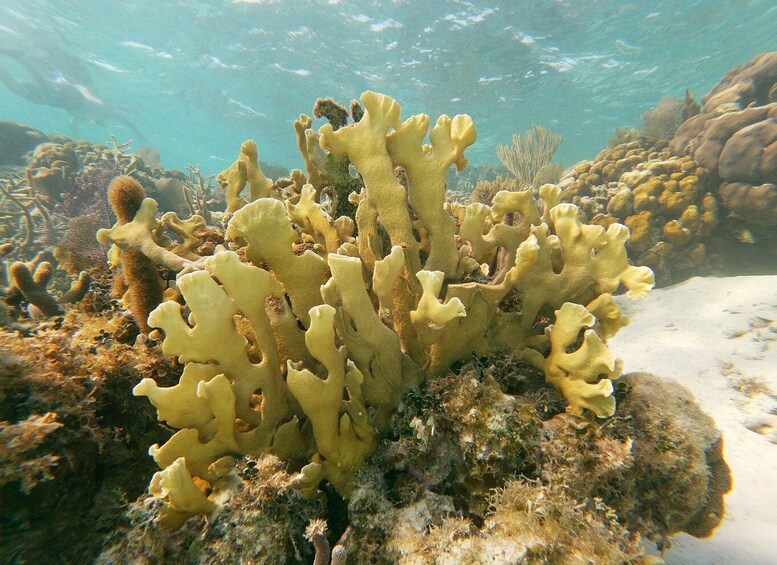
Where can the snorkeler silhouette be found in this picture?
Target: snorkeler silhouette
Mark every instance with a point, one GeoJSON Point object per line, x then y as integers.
{"type": "Point", "coordinates": [49, 87]}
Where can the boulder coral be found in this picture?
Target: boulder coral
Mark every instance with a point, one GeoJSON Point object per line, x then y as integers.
{"type": "Point", "coordinates": [735, 137]}
{"type": "Point", "coordinates": [692, 200]}
{"type": "Point", "coordinates": [320, 332]}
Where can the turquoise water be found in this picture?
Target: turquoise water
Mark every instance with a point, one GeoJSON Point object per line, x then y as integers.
{"type": "Point", "coordinates": [197, 78]}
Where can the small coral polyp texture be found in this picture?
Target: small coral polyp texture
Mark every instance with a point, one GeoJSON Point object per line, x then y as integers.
{"type": "Point", "coordinates": [302, 339]}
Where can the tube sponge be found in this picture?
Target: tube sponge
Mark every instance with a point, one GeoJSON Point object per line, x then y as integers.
{"type": "Point", "coordinates": [125, 195]}
{"type": "Point", "coordinates": [145, 291]}
{"type": "Point", "coordinates": [33, 286]}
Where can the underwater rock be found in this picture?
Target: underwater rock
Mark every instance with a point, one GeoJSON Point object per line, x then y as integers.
{"type": "Point", "coordinates": [263, 521]}
{"type": "Point", "coordinates": [446, 484]}
{"type": "Point", "coordinates": [528, 523]}
{"type": "Point", "coordinates": [16, 140]}
{"type": "Point", "coordinates": [680, 474]}
{"type": "Point", "coordinates": [170, 193]}
{"type": "Point", "coordinates": [660, 467]}
{"type": "Point", "coordinates": [656, 467]}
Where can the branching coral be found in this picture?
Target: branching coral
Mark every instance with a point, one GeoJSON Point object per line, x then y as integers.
{"type": "Point", "coordinates": [140, 244]}
{"type": "Point", "coordinates": [245, 170]}
{"type": "Point", "coordinates": [31, 280]}
{"type": "Point", "coordinates": [317, 343]}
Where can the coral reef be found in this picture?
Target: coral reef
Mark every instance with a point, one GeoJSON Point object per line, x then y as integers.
{"type": "Point", "coordinates": [485, 190]}
{"type": "Point", "coordinates": [666, 201]}
{"type": "Point", "coordinates": [58, 201]}
{"type": "Point", "coordinates": [32, 287]}
{"type": "Point", "coordinates": [263, 521]}
{"type": "Point", "coordinates": [329, 173]}
{"type": "Point", "coordinates": [404, 380]}
{"type": "Point", "coordinates": [700, 199]}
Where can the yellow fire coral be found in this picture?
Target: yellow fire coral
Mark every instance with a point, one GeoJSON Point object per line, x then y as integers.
{"type": "Point", "coordinates": [306, 350]}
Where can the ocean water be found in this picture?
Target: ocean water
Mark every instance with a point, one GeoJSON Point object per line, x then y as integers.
{"type": "Point", "coordinates": [197, 78]}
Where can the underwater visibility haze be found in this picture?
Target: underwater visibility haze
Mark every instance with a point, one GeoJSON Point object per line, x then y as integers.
{"type": "Point", "coordinates": [198, 77]}
{"type": "Point", "coordinates": [348, 282]}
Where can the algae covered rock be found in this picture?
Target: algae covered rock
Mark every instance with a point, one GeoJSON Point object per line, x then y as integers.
{"type": "Point", "coordinates": [70, 437]}
{"type": "Point", "coordinates": [679, 474]}
{"type": "Point", "coordinates": [660, 467]}
{"type": "Point", "coordinates": [16, 140]}
{"type": "Point", "coordinates": [263, 521]}
{"type": "Point", "coordinates": [481, 465]}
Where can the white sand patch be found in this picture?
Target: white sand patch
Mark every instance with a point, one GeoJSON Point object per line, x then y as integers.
{"type": "Point", "coordinates": [719, 338]}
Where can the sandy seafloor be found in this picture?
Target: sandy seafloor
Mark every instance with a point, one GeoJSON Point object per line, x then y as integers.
{"type": "Point", "coordinates": [718, 337]}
